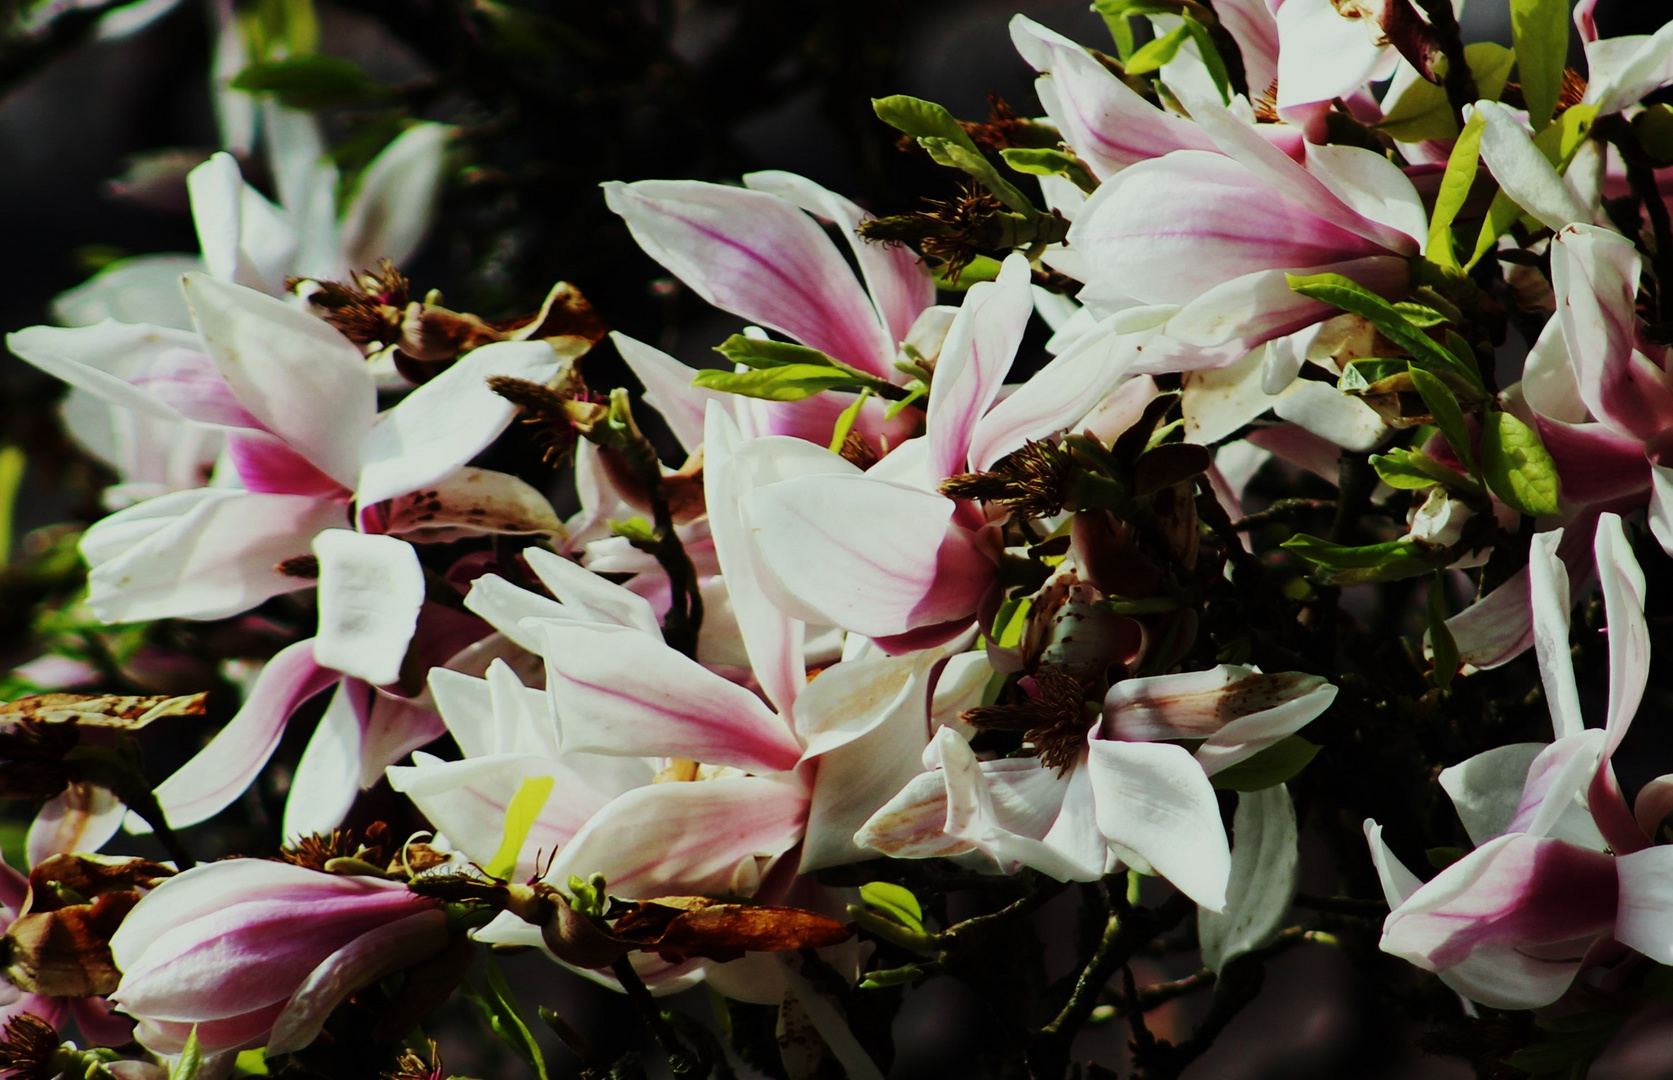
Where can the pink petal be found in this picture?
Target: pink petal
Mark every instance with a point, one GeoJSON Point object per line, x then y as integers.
{"type": "Point", "coordinates": [820, 535]}
{"type": "Point", "coordinates": [305, 382]}
{"type": "Point", "coordinates": [624, 692]}
{"type": "Point", "coordinates": [220, 772]}
{"type": "Point", "coordinates": [703, 837]}
{"type": "Point", "coordinates": [1106, 122]}
{"type": "Point", "coordinates": [361, 962]}
{"type": "Point", "coordinates": [668, 388]}
{"type": "Point", "coordinates": [1595, 274]}
{"type": "Point", "coordinates": [899, 282]}
{"type": "Point", "coordinates": [98, 1025]}
{"type": "Point", "coordinates": [1629, 636]}
{"type": "Point", "coordinates": [1495, 629]}
{"type": "Point", "coordinates": [757, 256]}
{"type": "Point", "coordinates": [1595, 464]}
{"type": "Point", "coordinates": [1166, 230]}
{"type": "Point", "coordinates": [266, 464]}
{"type": "Point", "coordinates": [109, 360]}
{"type": "Point", "coordinates": [979, 349]}
{"type": "Point", "coordinates": [590, 596]}
{"type": "Point", "coordinates": [1521, 892]}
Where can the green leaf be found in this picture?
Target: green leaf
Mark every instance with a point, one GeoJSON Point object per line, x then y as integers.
{"type": "Point", "coordinates": [756, 352]}
{"type": "Point", "coordinates": [251, 1063]}
{"type": "Point", "coordinates": [12, 461]}
{"type": "Point", "coordinates": [1422, 110]}
{"type": "Point", "coordinates": [1517, 466]}
{"type": "Point", "coordinates": [900, 976]}
{"type": "Point", "coordinates": [1050, 163]}
{"type": "Point", "coordinates": [1276, 764]}
{"type": "Point", "coordinates": [1443, 406]}
{"type": "Point", "coordinates": [895, 901]}
{"type": "Point", "coordinates": [1441, 642]}
{"type": "Point", "coordinates": [845, 421]}
{"type": "Point", "coordinates": [1116, 14]}
{"type": "Point", "coordinates": [1654, 128]}
{"type": "Point", "coordinates": [498, 1006]}
{"type": "Point", "coordinates": [314, 81]}
{"type": "Point", "coordinates": [1362, 376]}
{"type": "Point", "coordinates": [1211, 58]}
{"type": "Point", "coordinates": [519, 819]}
{"type": "Point", "coordinates": [1351, 296]}
{"type": "Point", "coordinates": [186, 1066]}
{"type": "Point", "coordinates": [1410, 470]}
{"type": "Point", "coordinates": [914, 390]}
{"type": "Point", "coordinates": [1153, 54]}
{"type": "Point", "coordinates": [1419, 315]}
{"type": "Point", "coordinates": [921, 119]}
{"type": "Point", "coordinates": [1539, 30]}
{"type": "Point", "coordinates": [969, 160]}
{"type": "Point", "coordinates": [792, 382]}
{"type": "Point", "coordinates": [1461, 168]}
{"type": "Point", "coordinates": [1391, 560]}
{"type": "Point", "coordinates": [1011, 622]}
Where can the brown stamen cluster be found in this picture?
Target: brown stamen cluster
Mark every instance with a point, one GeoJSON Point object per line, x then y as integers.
{"type": "Point", "coordinates": [28, 1047]}
{"type": "Point", "coordinates": [315, 851]}
{"type": "Point", "coordinates": [299, 566]}
{"type": "Point", "coordinates": [1033, 480]}
{"type": "Point", "coordinates": [547, 410]}
{"type": "Point", "coordinates": [368, 308]}
{"type": "Point", "coordinates": [1052, 719]}
{"type": "Point", "coordinates": [1004, 129]}
{"type": "Point", "coordinates": [951, 230]}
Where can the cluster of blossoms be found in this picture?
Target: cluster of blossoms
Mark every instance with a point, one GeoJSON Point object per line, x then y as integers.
{"type": "Point", "coordinates": [889, 607]}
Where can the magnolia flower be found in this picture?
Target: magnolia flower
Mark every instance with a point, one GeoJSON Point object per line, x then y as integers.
{"type": "Point", "coordinates": [755, 252]}
{"type": "Point", "coordinates": [883, 553]}
{"type": "Point", "coordinates": [323, 474]}
{"type": "Point", "coordinates": [1169, 244]}
{"type": "Point", "coordinates": [1561, 867]}
{"type": "Point", "coordinates": [254, 953]}
{"type": "Point", "coordinates": [1107, 792]}
{"type": "Point", "coordinates": [742, 786]}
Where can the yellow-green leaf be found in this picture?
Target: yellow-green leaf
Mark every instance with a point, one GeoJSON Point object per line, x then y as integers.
{"type": "Point", "coordinates": [520, 815]}
{"type": "Point", "coordinates": [1517, 466]}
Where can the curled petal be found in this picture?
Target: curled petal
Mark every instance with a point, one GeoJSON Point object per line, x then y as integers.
{"type": "Point", "coordinates": [1155, 801]}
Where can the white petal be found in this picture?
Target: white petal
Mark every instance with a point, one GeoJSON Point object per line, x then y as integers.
{"type": "Point", "coordinates": [1155, 800]}
{"type": "Point", "coordinates": [328, 776]}
{"type": "Point", "coordinates": [1265, 860]}
{"type": "Point", "coordinates": [1485, 789]}
{"type": "Point", "coordinates": [397, 198]}
{"type": "Point", "coordinates": [1523, 172]}
{"type": "Point", "coordinates": [370, 590]}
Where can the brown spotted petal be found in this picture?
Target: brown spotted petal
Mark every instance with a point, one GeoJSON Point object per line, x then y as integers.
{"type": "Point", "coordinates": [680, 928]}
{"type": "Point", "coordinates": [472, 502]}
{"type": "Point", "coordinates": [66, 953]}
{"type": "Point", "coordinates": [100, 710]}
{"type": "Point", "coordinates": [66, 880]}
{"type": "Point", "coordinates": [1236, 711]}
{"type": "Point", "coordinates": [564, 314]}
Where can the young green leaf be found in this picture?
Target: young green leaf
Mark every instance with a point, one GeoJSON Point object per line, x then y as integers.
{"type": "Point", "coordinates": [1517, 466]}
{"type": "Point", "coordinates": [313, 81]}
{"type": "Point", "coordinates": [1441, 642]}
{"type": "Point", "coordinates": [967, 159]}
{"type": "Point", "coordinates": [756, 352]}
{"type": "Point", "coordinates": [981, 268]}
{"type": "Point", "coordinates": [922, 119]}
{"type": "Point", "coordinates": [895, 901]}
{"type": "Point", "coordinates": [1034, 162]}
{"type": "Point", "coordinates": [1419, 315]}
{"type": "Point", "coordinates": [1539, 30]}
{"type": "Point", "coordinates": [845, 421]}
{"type": "Point", "coordinates": [1351, 296]}
{"type": "Point", "coordinates": [498, 1006]}
{"type": "Point", "coordinates": [1411, 470]}
{"type": "Point", "coordinates": [1443, 406]}
{"type": "Point", "coordinates": [186, 1066]}
{"type": "Point", "coordinates": [1388, 561]}
{"type": "Point", "coordinates": [1422, 110]}
{"type": "Point", "coordinates": [1270, 767]}
{"type": "Point", "coordinates": [1153, 54]}
{"type": "Point", "coordinates": [519, 819]}
{"type": "Point", "coordinates": [1211, 58]}
{"type": "Point", "coordinates": [1461, 168]}
{"type": "Point", "coordinates": [791, 382]}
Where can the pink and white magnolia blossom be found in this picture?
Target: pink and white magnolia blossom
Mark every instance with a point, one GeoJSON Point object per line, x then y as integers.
{"type": "Point", "coordinates": [759, 253]}
{"type": "Point", "coordinates": [883, 553]}
{"type": "Point", "coordinates": [1131, 795]}
{"type": "Point", "coordinates": [1563, 869]}
{"type": "Point", "coordinates": [321, 472]}
{"type": "Point", "coordinates": [671, 779]}
{"type": "Point", "coordinates": [1172, 247]}
{"type": "Point", "coordinates": [249, 952]}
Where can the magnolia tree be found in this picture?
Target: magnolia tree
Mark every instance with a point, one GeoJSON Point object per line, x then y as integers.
{"type": "Point", "coordinates": [1252, 469]}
